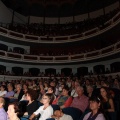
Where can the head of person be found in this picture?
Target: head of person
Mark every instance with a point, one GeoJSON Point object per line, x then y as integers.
{"type": "Point", "coordinates": [89, 89]}
{"type": "Point", "coordinates": [10, 87]}
{"type": "Point", "coordinates": [47, 98]}
{"type": "Point", "coordinates": [13, 110]}
{"type": "Point", "coordinates": [79, 90]}
{"type": "Point", "coordinates": [65, 91]}
{"type": "Point", "coordinates": [3, 88]}
{"type": "Point", "coordinates": [31, 95]}
{"type": "Point", "coordinates": [2, 102]}
{"type": "Point", "coordinates": [58, 113]}
{"type": "Point", "coordinates": [50, 89]}
{"type": "Point", "coordinates": [18, 87]}
{"type": "Point", "coordinates": [104, 92]}
{"type": "Point", "coordinates": [25, 86]}
{"type": "Point", "coordinates": [95, 104]}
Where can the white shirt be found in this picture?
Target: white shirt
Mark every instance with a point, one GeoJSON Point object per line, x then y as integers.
{"type": "Point", "coordinates": [2, 93]}
{"type": "Point", "coordinates": [66, 117]}
{"type": "Point", "coordinates": [45, 114]}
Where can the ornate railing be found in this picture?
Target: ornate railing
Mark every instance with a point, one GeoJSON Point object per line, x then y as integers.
{"type": "Point", "coordinates": [107, 51]}
{"type": "Point", "coordinates": [61, 39]}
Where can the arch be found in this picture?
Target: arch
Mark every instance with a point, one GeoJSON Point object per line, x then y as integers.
{"type": "Point", "coordinates": [19, 50]}
{"type": "Point", "coordinates": [81, 71]}
{"type": "Point", "coordinates": [99, 69]}
{"type": "Point", "coordinates": [17, 71]}
{"type": "Point", "coordinates": [34, 71]}
{"type": "Point", "coordinates": [66, 71]}
{"type": "Point", "coordinates": [2, 69]}
{"type": "Point", "coordinates": [50, 71]}
{"type": "Point", "coordinates": [3, 47]}
{"type": "Point", "coordinates": [115, 67]}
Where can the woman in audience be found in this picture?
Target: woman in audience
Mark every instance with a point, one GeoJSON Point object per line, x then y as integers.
{"type": "Point", "coordinates": [3, 90]}
{"type": "Point", "coordinates": [32, 105]}
{"type": "Point", "coordinates": [107, 100]}
{"type": "Point", "coordinates": [64, 100]}
{"type": "Point", "coordinates": [96, 111]}
{"type": "Point", "coordinates": [13, 111]}
{"type": "Point", "coordinates": [46, 109]}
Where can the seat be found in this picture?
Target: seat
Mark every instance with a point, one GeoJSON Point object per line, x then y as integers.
{"type": "Point", "coordinates": [75, 113]}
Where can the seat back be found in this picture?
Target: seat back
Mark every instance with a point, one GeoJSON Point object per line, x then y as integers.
{"type": "Point", "coordinates": [75, 113]}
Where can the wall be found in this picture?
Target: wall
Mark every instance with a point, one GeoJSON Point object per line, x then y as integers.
{"type": "Point", "coordinates": [11, 45]}
{"type": "Point", "coordinates": [59, 67]}
{"type": "Point", "coordinates": [6, 16]}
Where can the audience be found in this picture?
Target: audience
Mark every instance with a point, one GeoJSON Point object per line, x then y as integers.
{"type": "Point", "coordinates": [3, 90]}
{"type": "Point", "coordinates": [81, 101]}
{"type": "Point", "coordinates": [46, 109]}
{"type": "Point", "coordinates": [96, 112]}
{"type": "Point", "coordinates": [107, 100]}
{"type": "Point", "coordinates": [64, 100]}
{"type": "Point", "coordinates": [13, 111]}
{"type": "Point", "coordinates": [59, 115]}
{"type": "Point", "coordinates": [3, 114]}
{"type": "Point", "coordinates": [30, 102]}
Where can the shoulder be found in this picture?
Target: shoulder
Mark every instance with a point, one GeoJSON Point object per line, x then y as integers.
{"type": "Point", "coordinates": [100, 117]}
{"type": "Point", "coordinates": [86, 116]}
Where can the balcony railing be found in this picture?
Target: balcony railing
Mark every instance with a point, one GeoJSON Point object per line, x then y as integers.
{"type": "Point", "coordinates": [61, 39]}
{"type": "Point", "coordinates": [110, 50]}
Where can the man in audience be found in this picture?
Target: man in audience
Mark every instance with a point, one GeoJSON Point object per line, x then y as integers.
{"type": "Point", "coordinates": [81, 101]}
{"type": "Point", "coordinates": [3, 114]}
{"type": "Point", "coordinates": [59, 115]}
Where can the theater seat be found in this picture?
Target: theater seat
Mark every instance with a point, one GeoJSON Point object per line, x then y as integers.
{"type": "Point", "coordinates": [75, 113]}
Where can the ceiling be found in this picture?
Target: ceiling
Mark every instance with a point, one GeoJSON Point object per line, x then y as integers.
{"type": "Point", "coordinates": [56, 8]}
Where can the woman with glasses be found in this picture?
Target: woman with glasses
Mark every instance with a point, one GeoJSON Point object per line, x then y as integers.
{"type": "Point", "coordinates": [46, 110]}
{"type": "Point", "coordinates": [96, 111]}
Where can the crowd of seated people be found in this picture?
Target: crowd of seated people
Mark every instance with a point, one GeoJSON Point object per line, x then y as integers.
{"type": "Point", "coordinates": [63, 29]}
{"type": "Point", "coordinates": [42, 95]}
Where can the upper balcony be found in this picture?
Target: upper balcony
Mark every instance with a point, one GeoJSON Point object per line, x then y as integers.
{"type": "Point", "coordinates": [62, 39]}
{"type": "Point", "coordinates": [107, 51]}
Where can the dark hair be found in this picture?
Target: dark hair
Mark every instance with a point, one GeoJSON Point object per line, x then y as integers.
{"type": "Point", "coordinates": [98, 100]}
{"type": "Point", "coordinates": [32, 93]}
{"type": "Point", "coordinates": [50, 96]}
{"type": "Point", "coordinates": [4, 87]}
{"type": "Point", "coordinates": [66, 88]}
{"type": "Point", "coordinates": [95, 98]}
{"type": "Point", "coordinates": [16, 107]}
{"type": "Point", "coordinates": [107, 90]}
{"type": "Point", "coordinates": [52, 88]}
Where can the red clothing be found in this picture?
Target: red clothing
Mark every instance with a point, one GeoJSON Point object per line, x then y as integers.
{"type": "Point", "coordinates": [67, 102]}
{"type": "Point", "coordinates": [80, 102]}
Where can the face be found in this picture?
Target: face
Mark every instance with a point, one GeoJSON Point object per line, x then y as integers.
{"type": "Point", "coordinates": [10, 88]}
{"type": "Point", "coordinates": [2, 88]}
{"type": "Point", "coordinates": [57, 113]}
{"type": "Point", "coordinates": [103, 92]}
{"type": "Point", "coordinates": [64, 92]}
{"type": "Point", "coordinates": [11, 111]}
{"type": "Point", "coordinates": [18, 88]}
{"type": "Point", "coordinates": [50, 90]}
{"type": "Point", "coordinates": [45, 99]}
{"type": "Point", "coordinates": [89, 90]}
{"type": "Point", "coordinates": [28, 97]}
{"type": "Point", "coordinates": [94, 105]}
{"type": "Point", "coordinates": [79, 91]}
